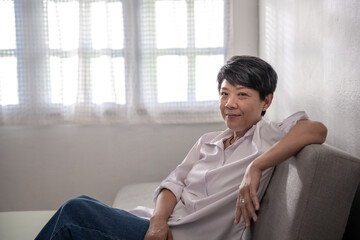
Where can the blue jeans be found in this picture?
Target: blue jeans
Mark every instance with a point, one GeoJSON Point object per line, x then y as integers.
{"type": "Point", "coordinates": [87, 218]}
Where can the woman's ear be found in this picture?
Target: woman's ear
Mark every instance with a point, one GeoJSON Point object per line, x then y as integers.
{"type": "Point", "coordinates": [268, 101]}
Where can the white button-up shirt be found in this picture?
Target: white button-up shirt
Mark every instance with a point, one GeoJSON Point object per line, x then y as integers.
{"type": "Point", "coordinates": [206, 183]}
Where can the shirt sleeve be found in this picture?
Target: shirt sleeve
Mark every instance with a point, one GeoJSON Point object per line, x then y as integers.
{"type": "Point", "coordinates": [290, 121]}
{"type": "Point", "coordinates": [175, 181]}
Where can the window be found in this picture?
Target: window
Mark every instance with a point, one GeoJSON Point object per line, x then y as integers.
{"type": "Point", "coordinates": [8, 61]}
{"type": "Point", "coordinates": [111, 60]}
{"type": "Point", "coordinates": [93, 40]}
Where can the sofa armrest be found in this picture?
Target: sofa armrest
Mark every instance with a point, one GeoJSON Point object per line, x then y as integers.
{"type": "Point", "coordinates": [137, 194]}
{"type": "Point", "coordinates": [309, 196]}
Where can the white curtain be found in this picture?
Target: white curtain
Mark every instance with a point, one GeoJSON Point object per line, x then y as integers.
{"type": "Point", "coordinates": [104, 61]}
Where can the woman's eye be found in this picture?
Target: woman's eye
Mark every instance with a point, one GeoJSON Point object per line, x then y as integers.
{"type": "Point", "coordinates": [242, 94]}
{"type": "Point", "coordinates": [223, 94]}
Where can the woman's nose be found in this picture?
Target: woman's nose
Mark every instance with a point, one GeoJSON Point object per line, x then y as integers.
{"type": "Point", "coordinates": [231, 103]}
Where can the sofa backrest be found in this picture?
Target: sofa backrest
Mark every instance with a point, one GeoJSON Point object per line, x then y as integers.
{"type": "Point", "coordinates": [309, 196]}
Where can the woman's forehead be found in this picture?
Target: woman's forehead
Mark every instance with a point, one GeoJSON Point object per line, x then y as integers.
{"type": "Point", "coordinates": [226, 84]}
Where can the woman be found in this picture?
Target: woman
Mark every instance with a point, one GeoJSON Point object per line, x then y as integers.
{"type": "Point", "coordinates": [215, 191]}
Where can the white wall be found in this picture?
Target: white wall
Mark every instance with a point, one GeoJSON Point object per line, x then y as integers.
{"type": "Point", "coordinates": [314, 46]}
{"type": "Point", "coordinates": [246, 27]}
{"type": "Point", "coordinates": [41, 167]}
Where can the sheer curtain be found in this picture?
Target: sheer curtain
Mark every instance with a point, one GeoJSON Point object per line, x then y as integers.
{"type": "Point", "coordinates": [103, 61]}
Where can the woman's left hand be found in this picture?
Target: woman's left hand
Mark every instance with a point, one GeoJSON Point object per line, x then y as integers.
{"type": "Point", "coordinates": [248, 201]}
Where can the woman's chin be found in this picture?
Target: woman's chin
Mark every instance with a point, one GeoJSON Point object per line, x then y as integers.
{"type": "Point", "coordinates": [233, 127]}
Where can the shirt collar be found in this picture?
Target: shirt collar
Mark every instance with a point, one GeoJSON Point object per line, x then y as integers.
{"type": "Point", "coordinates": [219, 139]}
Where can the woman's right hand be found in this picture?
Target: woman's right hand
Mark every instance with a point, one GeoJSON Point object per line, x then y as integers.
{"type": "Point", "coordinates": [158, 230]}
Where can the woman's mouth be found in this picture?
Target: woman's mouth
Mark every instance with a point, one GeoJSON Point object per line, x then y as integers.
{"type": "Point", "coordinates": [232, 115]}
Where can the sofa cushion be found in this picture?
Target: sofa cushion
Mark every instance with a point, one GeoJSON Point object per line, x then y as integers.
{"type": "Point", "coordinates": [137, 194]}
{"type": "Point", "coordinates": [309, 196]}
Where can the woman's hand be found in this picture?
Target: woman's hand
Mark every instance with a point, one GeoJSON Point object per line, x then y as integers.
{"type": "Point", "coordinates": [305, 132]}
{"type": "Point", "coordinates": [248, 201]}
{"type": "Point", "coordinates": [158, 230]}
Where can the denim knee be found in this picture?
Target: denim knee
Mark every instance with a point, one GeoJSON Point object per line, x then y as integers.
{"type": "Point", "coordinates": [76, 204]}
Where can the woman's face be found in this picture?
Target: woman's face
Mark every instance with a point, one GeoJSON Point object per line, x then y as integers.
{"type": "Point", "coordinates": [241, 106]}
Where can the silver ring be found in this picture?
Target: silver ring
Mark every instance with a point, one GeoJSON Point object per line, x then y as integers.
{"type": "Point", "coordinates": [242, 201]}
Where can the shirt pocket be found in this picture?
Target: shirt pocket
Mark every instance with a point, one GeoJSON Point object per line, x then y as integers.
{"type": "Point", "coordinates": [227, 177]}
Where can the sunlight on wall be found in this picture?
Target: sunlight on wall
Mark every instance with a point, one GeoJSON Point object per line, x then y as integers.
{"type": "Point", "coordinates": [279, 50]}
{"type": "Point", "coordinates": [270, 33]}
{"type": "Point", "coordinates": [313, 45]}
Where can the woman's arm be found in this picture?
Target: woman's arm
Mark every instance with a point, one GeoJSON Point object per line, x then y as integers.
{"type": "Point", "coordinates": [305, 132]}
{"type": "Point", "coordinates": [159, 228]}
{"type": "Point", "coordinates": [168, 194]}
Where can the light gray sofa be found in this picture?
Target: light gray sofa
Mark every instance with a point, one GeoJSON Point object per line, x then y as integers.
{"type": "Point", "coordinates": [309, 196]}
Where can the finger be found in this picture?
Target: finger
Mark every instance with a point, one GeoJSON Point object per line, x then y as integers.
{"type": "Point", "coordinates": [251, 210]}
{"type": "Point", "coordinates": [247, 208]}
{"type": "Point", "coordinates": [256, 203]}
{"type": "Point", "coordinates": [238, 211]}
{"type": "Point", "coordinates": [245, 215]}
{"type": "Point", "coordinates": [255, 200]}
{"type": "Point", "coordinates": [250, 206]}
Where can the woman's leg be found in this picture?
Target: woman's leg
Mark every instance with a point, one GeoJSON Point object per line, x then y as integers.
{"type": "Point", "coordinates": [87, 218]}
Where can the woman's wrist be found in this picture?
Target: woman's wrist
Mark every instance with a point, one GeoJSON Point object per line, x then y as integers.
{"type": "Point", "coordinates": [258, 164]}
{"type": "Point", "coordinates": [159, 217]}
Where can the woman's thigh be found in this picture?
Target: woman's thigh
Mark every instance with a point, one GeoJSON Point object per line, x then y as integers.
{"type": "Point", "coordinates": [86, 218]}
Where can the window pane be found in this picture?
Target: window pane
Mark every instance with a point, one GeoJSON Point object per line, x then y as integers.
{"type": "Point", "coordinates": [116, 25]}
{"type": "Point", "coordinates": [64, 75]}
{"type": "Point", "coordinates": [101, 80]}
{"type": "Point", "coordinates": [7, 25]}
{"type": "Point", "coordinates": [8, 81]}
{"type": "Point", "coordinates": [171, 24]}
{"type": "Point", "coordinates": [172, 79]}
{"type": "Point", "coordinates": [107, 25]}
{"type": "Point", "coordinates": [108, 84]}
{"type": "Point", "coordinates": [207, 68]}
{"type": "Point", "coordinates": [119, 80]}
{"type": "Point", "coordinates": [98, 25]}
{"type": "Point", "coordinates": [209, 23]}
{"type": "Point", "coordinates": [63, 20]}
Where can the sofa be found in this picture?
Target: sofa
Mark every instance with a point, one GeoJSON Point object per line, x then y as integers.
{"type": "Point", "coordinates": [310, 196]}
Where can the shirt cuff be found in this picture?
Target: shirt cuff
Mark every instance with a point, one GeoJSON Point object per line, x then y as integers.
{"type": "Point", "coordinates": [175, 188]}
